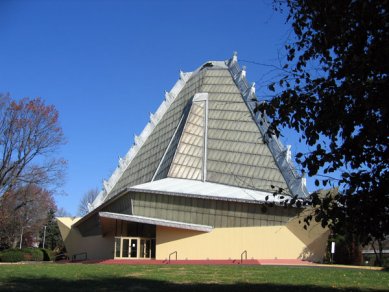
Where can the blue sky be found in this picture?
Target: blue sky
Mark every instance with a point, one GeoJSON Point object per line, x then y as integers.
{"type": "Point", "coordinates": [105, 65]}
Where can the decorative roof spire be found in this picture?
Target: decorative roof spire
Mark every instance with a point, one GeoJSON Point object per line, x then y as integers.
{"type": "Point", "coordinates": [182, 75]}
{"type": "Point", "coordinates": [288, 153]}
{"type": "Point", "coordinates": [137, 140]}
{"type": "Point", "coordinates": [153, 119]}
{"type": "Point", "coordinates": [234, 58]}
{"type": "Point", "coordinates": [242, 73]}
{"type": "Point", "coordinates": [106, 185]}
{"type": "Point", "coordinates": [168, 96]}
{"type": "Point", "coordinates": [121, 162]}
{"type": "Point", "coordinates": [250, 93]}
{"type": "Point", "coordinates": [252, 89]}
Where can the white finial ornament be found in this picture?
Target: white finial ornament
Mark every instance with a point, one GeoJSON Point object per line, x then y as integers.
{"type": "Point", "coordinates": [252, 88]}
{"type": "Point", "coordinates": [288, 153]}
{"type": "Point", "coordinates": [106, 186]}
{"type": "Point", "coordinates": [121, 162]}
{"type": "Point", "coordinates": [242, 73]}
{"type": "Point", "coordinates": [137, 140]}
{"type": "Point", "coordinates": [168, 96]}
{"type": "Point", "coordinates": [152, 119]}
{"type": "Point", "coordinates": [303, 180]}
{"type": "Point", "coordinates": [234, 57]}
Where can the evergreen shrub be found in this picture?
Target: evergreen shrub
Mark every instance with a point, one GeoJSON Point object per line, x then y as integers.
{"type": "Point", "coordinates": [11, 256]}
{"type": "Point", "coordinates": [26, 254]}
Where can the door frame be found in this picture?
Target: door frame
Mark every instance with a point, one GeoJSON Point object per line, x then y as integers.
{"type": "Point", "coordinates": [118, 253]}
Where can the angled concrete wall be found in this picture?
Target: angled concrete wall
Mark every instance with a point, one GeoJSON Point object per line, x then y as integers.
{"type": "Point", "coordinates": [96, 247]}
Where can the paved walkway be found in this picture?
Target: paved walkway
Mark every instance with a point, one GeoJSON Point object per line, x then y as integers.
{"type": "Point", "coordinates": [263, 262]}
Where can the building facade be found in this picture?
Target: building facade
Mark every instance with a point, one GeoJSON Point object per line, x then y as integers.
{"type": "Point", "coordinates": [199, 182]}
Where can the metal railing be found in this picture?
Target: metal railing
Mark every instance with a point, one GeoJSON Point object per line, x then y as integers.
{"type": "Point", "coordinates": [241, 256]}
{"type": "Point", "coordinates": [74, 257]}
{"type": "Point", "coordinates": [61, 256]}
{"type": "Point", "coordinates": [174, 252]}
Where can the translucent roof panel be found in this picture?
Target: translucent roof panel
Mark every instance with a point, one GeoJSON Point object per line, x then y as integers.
{"type": "Point", "coordinates": [188, 160]}
{"type": "Point", "coordinates": [165, 163]}
{"type": "Point", "coordinates": [144, 165]}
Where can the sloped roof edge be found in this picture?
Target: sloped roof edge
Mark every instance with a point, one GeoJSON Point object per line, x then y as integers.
{"type": "Point", "coordinates": [282, 155]}
{"type": "Point", "coordinates": [139, 140]}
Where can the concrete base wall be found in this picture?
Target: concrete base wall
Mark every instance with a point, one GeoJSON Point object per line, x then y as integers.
{"type": "Point", "coordinates": [96, 247]}
{"type": "Point", "coordinates": [272, 242]}
{"type": "Point", "coordinates": [290, 241]}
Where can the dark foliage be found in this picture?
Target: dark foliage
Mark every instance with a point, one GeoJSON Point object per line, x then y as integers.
{"type": "Point", "coordinates": [334, 92]}
{"type": "Point", "coordinates": [24, 210]}
{"type": "Point", "coordinates": [53, 240]}
{"type": "Point", "coordinates": [87, 199]}
{"type": "Point", "coordinates": [26, 254]}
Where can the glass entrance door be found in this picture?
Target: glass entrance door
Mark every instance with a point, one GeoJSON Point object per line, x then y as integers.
{"type": "Point", "coordinates": [134, 248]}
{"type": "Point", "coordinates": [145, 248]}
{"type": "Point", "coordinates": [125, 246]}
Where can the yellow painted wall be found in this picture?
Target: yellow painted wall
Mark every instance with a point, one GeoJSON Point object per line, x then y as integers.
{"type": "Point", "coordinates": [314, 237]}
{"type": "Point", "coordinates": [97, 247]}
{"type": "Point", "coordinates": [268, 242]}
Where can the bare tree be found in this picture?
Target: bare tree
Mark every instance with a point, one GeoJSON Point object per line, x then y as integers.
{"type": "Point", "coordinates": [61, 212]}
{"type": "Point", "coordinates": [29, 136]}
{"type": "Point", "coordinates": [88, 198]}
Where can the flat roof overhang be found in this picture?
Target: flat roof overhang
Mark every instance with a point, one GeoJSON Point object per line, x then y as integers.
{"type": "Point", "coordinates": [156, 221]}
{"type": "Point", "coordinates": [192, 189]}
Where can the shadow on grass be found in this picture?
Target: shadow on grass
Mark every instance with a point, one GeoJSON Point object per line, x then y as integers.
{"type": "Point", "coordinates": [135, 284]}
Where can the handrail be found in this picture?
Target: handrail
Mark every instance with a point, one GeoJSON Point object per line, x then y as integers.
{"type": "Point", "coordinates": [241, 256]}
{"type": "Point", "coordinates": [74, 257]}
{"type": "Point", "coordinates": [61, 256]}
{"type": "Point", "coordinates": [174, 252]}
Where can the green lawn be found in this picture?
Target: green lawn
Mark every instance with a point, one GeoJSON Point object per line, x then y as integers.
{"type": "Point", "coordinates": [95, 277]}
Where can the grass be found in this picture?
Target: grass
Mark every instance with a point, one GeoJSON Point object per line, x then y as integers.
{"type": "Point", "coordinates": [96, 277]}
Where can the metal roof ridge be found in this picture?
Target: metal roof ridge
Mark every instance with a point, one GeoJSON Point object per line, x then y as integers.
{"type": "Point", "coordinates": [282, 155]}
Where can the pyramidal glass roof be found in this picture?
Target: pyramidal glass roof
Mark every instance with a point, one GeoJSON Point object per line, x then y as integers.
{"type": "Point", "coordinates": [206, 130]}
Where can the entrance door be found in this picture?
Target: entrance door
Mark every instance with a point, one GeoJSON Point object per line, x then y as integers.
{"type": "Point", "coordinates": [145, 248]}
{"type": "Point", "coordinates": [134, 248]}
{"type": "Point", "coordinates": [118, 244]}
{"type": "Point", "coordinates": [125, 246]}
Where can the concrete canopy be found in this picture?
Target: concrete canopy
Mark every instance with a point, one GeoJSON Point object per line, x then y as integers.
{"type": "Point", "coordinates": [154, 221]}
